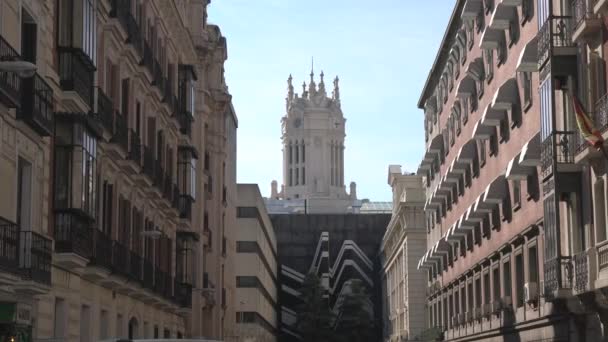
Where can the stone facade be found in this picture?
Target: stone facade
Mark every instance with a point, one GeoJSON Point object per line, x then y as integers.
{"type": "Point", "coordinates": [313, 149]}
{"type": "Point", "coordinates": [404, 242]}
{"type": "Point", "coordinates": [115, 149]}
{"type": "Point", "coordinates": [256, 268]}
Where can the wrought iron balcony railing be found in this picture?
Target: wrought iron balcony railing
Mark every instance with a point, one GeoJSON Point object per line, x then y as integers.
{"type": "Point", "coordinates": [105, 110]}
{"type": "Point", "coordinates": [10, 82]}
{"type": "Point", "coordinates": [76, 73]}
{"type": "Point", "coordinates": [9, 242]}
{"type": "Point", "coordinates": [135, 147]}
{"type": "Point", "coordinates": [102, 250]}
{"type": "Point", "coordinates": [558, 276]}
{"type": "Point", "coordinates": [556, 32]}
{"type": "Point", "coordinates": [73, 234]}
{"type": "Point", "coordinates": [121, 132]}
{"type": "Point", "coordinates": [148, 162]}
{"type": "Point", "coordinates": [602, 256]}
{"type": "Point", "coordinates": [559, 148]}
{"type": "Point", "coordinates": [35, 257]}
{"type": "Point", "coordinates": [581, 272]}
{"type": "Point", "coordinates": [36, 104]}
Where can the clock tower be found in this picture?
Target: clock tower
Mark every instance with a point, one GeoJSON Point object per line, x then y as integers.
{"type": "Point", "coordinates": [313, 132]}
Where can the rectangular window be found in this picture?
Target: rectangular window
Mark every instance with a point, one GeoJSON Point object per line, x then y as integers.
{"type": "Point", "coordinates": [482, 152]}
{"type": "Point", "coordinates": [303, 176]}
{"type": "Point", "coordinates": [489, 61]}
{"type": "Point", "coordinates": [60, 319]}
{"type": "Point", "coordinates": [506, 277]}
{"type": "Point", "coordinates": [85, 323]}
{"type": "Point", "coordinates": [456, 302]}
{"type": "Point", "coordinates": [156, 335]}
{"type": "Point", "coordinates": [77, 26]}
{"type": "Point", "coordinates": [496, 283]}
{"type": "Point", "coordinates": [297, 175]}
{"type": "Point", "coordinates": [119, 330]}
{"type": "Point", "coordinates": [463, 300]}
{"type": "Point", "coordinates": [546, 109]}
{"type": "Point", "coordinates": [104, 327]}
{"type": "Point", "coordinates": [526, 80]}
{"type": "Point", "coordinates": [478, 292]}
{"type": "Point", "coordinates": [486, 288]}
{"type": "Point", "coordinates": [533, 264]}
{"type": "Point", "coordinates": [29, 39]}
{"type": "Point", "coordinates": [516, 185]}
{"type": "Point", "coordinates": [24, 194]}
{"type": "Point", "coordinates": [186, 171]}
{"type": "Point", "coordinates": [519, 278]}
{"type": "Point", "coordinates": [470, 294]}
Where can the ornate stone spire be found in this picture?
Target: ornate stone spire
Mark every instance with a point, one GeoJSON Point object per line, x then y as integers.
{"type": "Point", "coordinates": [289, 88]}
{"type": "Point", "coordinates": [312, 87]}
{"type": "Point", "coordinates": [304, 92]}
{"type": "Point", "coordinates": [336, 94]}
{"type": "Point", "coordinates": [322, 85]}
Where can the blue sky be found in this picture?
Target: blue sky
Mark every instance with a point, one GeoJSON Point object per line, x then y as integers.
{"type": "Point", "coordinates": [382, 51]}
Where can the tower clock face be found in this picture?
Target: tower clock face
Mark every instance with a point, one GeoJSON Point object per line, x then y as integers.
{"type": "Point", "coordinates": [297, 122]}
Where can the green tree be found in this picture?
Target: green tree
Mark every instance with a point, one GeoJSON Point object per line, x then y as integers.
{"type": "Point", "coordinates": [315, 319]}
{"type": "Point", "coordinates": [356, 322]}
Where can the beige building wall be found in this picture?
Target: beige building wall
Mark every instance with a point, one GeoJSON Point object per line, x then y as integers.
{"type": "Point", "coordinates": [107, 143]}
{"type": "Point", "coordinates": [256, 268]}
{"type": "Point", "coordinates": [403, 285]}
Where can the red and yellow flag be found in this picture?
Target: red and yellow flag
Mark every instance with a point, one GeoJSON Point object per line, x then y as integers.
{"type": "Point", "coordinates": [585, 125]}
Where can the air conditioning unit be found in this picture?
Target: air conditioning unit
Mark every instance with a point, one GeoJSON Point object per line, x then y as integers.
{"type": "Point", "coordinates": [530, 292]}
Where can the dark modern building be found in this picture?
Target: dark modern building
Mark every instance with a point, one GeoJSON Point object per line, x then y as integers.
{"type": "Point", "coordinates": [338, 248]}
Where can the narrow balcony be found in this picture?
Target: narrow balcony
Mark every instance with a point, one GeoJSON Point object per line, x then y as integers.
{"type": "Point", "coordinates": [587, 24]}
{"type": "Point", "coordinates": [104, 110]}
{"type": "Point", "coordinates": [9, 254]}
{"type": "Point", "coordinates": [558, 152]}
{"type": "Point", "coordinates": [10, 82]}
{"type": "Point", "coordinates": [36, 105]}
{"type": "Point", "coordinates": [100, 263]}
{"type": "Point", "coordinates": [558, 278]}
{"type": "Point", "coordinates": [584, 271]}
{"type": "Point", "coordinates": [120, 137]}
{"type": "Point", "coordinates": [35, 258]}
{"type": "Point", "coordinates": [73, 240]}
{"type": "Point", "coordinates": [555, 39]}
{"type": "Point", "coordinates": [76, 73]}
{"type": "Point", "coordinates": [135, 152]}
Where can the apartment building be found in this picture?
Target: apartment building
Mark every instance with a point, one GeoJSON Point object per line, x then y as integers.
{"type": "Point", "coordinates": [102, 164]}
{"type": "Point", "coordinates": [404, 242]}
{"type": "Point", "coordinates": [488, 170]}
{"type": "Point", "coordinates": [256, 268]}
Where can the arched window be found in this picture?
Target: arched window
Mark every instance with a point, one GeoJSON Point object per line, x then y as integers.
{"type": "Point", "coordinates": [133, 328]}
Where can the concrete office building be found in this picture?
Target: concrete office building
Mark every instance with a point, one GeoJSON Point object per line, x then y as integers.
{"type": "Point", "coordinates": [256, 268]}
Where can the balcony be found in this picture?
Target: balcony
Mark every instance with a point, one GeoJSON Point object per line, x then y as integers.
{"type": "Point", "coordinates": [558, 278]}
{"type": "Point", "coordinates": [555, 39]}
{"type": "Point", "coordinates": [559, 150]}
{"type": "Point", "coordinates": [120, 135]}
{"type": "Point", "coordinates": [587, 24]}
{"type": "Point", "coordinates": [100, 263]}
{"type": "Point", "coordinates": [9, 254]}
{"type": "Point", "coordinates": [584, 271]}
{"type": "Point", "coordinates": [134, 148]}
{"type": "Point", "coordinates": [73, 240]}
{"type": "Point", "coordinates": [602, 259]}
{"type": "Point", "coordinates": [35, 257]}
{"type": "Point", "coordinates": [36, 105]}
{"type": "Point", "coordinates": [10, 82]}
{"type": "Point", "coordinates": [76, 73]}
{"type": "Point", "coordinates": [104, 110]}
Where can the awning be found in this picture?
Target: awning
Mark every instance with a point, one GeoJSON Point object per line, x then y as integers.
{"type": "Point", "coordinates": [423, 169]}
{"type": "Point", "coordinates": [466, 87]}
{"type": "Point", "coordinates": [506, 96]}
{"type": "Point", "coordinates": [483, 132]}
{"type": "Point", "coordinates": [497, 190]}
{"type": "Point", "coordinates": [471, 9]}
{"type": "Point", "coordinates": [516, 171]}
{"type": "Point", "coordinates": [436, 144]}
{"type": "Point", "coordinates": [503, 16]}
{"type": "Point", "coordinates": [490, 38]}
{"type": "Point", "coordinates": [454, 235]}
{"type": "Point", "coordinates": [453, 174]}
{"type": "Point", "coordinates": [481, 207]}
{"type": "Point", "coordinates": [510, 2]}
{"type": "Point", "coordinates": [492, 117]}
{"type": "Point", "coordinates": [476, 68]}
{"type": "Point", "coordinates": [530, 153]}
{"type": "Point", "coordinates": [465, 224]}
{"type": "Point", "coordinates": [467, 153]}
{"type": "Point", "coordinates": [528, 58]}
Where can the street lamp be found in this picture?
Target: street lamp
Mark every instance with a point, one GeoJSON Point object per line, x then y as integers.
{"type": "Point", "coordinates": [23, 69]}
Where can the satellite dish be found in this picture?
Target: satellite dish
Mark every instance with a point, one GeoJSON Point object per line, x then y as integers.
{"type": "Point", "coordinates": [22, 68]}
